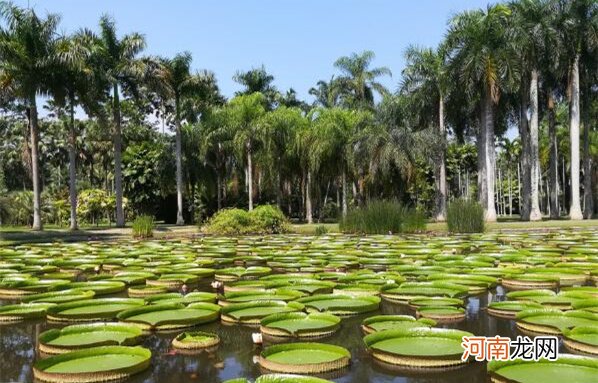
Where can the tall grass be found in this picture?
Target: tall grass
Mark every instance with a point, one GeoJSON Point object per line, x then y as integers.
{"type": "Point", "coordinates": [383, 217]}
{"type": "Point", "coordinates": [143, 226]}
{"type": "Point", "coordinates": [464, 216]}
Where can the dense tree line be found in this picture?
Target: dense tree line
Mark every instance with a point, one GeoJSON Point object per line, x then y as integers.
{"type": "Point", "coordinates": [530, 64]}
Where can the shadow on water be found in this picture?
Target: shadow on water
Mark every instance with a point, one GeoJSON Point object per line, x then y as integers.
{"type": "Point", "coordinates": [234, 357]}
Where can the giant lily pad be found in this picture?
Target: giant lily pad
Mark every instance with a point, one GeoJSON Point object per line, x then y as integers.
{"type": "Point", "coordinates": [304, 358]}
{"type": "Point", "coordinates": [394, 322]}
{"type": "Point", "coordinates": [582, 339]}
{"type": "Point", "coordinates": [300, 325]}
{"type": "Point", "coordinates": [553, 322]}
{"type": "Point", "coordinates": [88, 310]}
{"type": "Point", "coordinates": [97, 364]}
{"type": "Point", "coordinates": [418, 347]}
{"type": "Point", "coordinates": [342, 305]}
{"type": "Point", "coordinates": [253, 312]}
{"type": "Point", "coordinates": [75, 337]}
{"type": "Point", "coordinates": [567, 368]}
{"type": "Point", "coordinates": [170, 315]}
{"type": "Point", "coordinates": [15, 313]}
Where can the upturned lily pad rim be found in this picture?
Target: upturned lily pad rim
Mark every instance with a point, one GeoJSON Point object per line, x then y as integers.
{"type": "Point", "coordinates": [281, 378]}
{"type": "Point", "coordinates": [229, 309]}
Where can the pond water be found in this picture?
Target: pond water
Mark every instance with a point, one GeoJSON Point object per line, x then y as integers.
{"type": "Point", "coordinates": [236, 353]}
{"type": "Point", "coordinates": [234, 357]}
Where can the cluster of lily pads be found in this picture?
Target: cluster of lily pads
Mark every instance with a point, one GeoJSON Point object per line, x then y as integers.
{"type": "Point", "coordinates": [109, 295]}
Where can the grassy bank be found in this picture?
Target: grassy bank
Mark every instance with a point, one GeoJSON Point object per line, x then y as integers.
{"type": "Point", "coordinates": [162, 231]}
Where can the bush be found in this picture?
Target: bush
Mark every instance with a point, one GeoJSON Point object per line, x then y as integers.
{"type": "Point", "coordinates": [321, 230]}
{"type": "Point", "coordinates": [265, 219]}
{"type": "Point", "coordinates": [383, 217]}
{"type": "Point", "coordinates": [143, 226]}
{"type": "Point", "coordinates": [464, 216]}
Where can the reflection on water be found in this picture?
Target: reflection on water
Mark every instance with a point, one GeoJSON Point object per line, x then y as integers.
{"type": "Point", "coordinates": [234, 357]}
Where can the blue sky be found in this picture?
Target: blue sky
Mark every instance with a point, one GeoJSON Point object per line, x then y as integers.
{"type": "Point", "coordinates": [297, 40]}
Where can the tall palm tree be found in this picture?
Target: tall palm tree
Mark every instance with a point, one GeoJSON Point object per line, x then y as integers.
{"type": "Point", "coordinates": [27, 62]}
{"type": "Point", "coordinates": [122, 68]}
{"type": "Point", "coordinates": [326, 93]}
{"type": "Point", "coordinates": [358, 81]}
{"type": "Point", "coordinates": [533, 29]}
{"type": "Point", "coordinates": [173, 80]}
{"type": "Point", "coordinates": [279, 131]}
{"type": "Point", "coordinates": [75, 83]}
{"type": "Point", "coordinates": [425, 83]}
{"type": "Point", "coordinates": [579, 26]}
{"type": "Point", "coordinates": [243, 119]}
{"type": "Point", "coordinates": [477, 43]}
{"type": "Point", "coordinates": [336, 130]}
{"type": "Point", "coordinates": [257, 80]}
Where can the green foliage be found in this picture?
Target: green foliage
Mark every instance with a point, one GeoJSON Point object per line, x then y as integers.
{"type": "Point", "coordinates": [142, 169]}
{"type": "Point", "coordinates": [93, 204]}
{"type": "Point", "coordinates": [383, 217]}
{"type": "Point", "coordinates": [265, 219]}
{"type": "Point", "coordinates": [465, 216]}
{"type": "Point", "coordinates": [321, 230]}
{"type": "Point", "coordinates": [143, 226]}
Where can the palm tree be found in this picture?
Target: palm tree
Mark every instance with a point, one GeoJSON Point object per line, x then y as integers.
{"type": "Point", "coordinates": [477, 43]}
{"type": "Point", "coordinates": [358, 81]}
{"type": "Point", "coordinates": [174, 82]}
{"type": "Point", "coordinates": [27, 62]}
{"type": "Point", "coordinates": [257, 80]}
{"type": "Point", "coordinates": [579, 26]}
{"type": "Point", "coordinates": [424, 81]}
{"type": "Point", "coordinates": [122, 69]}
{"type": "Point", "coordinates": [336, 130]}
{"type": "Point", "coordinates": [243, 119]}
{"type": "Point", "coordinates": [279, 131]}
{"type": "Point", "coordinates": [75, 83]}
{"type": "Point", "coordinates": [533, 29]}
{"type": "Point", "coordinates": [326, 93]}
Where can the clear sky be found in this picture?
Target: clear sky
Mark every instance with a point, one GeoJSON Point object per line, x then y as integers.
{"type": "Point", "coordinates": [297, 40]}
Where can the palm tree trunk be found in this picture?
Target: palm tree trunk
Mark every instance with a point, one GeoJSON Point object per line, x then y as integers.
{"type": "Point", "coordinates": [118, 178]}
{"type": "Point", "coordinates": [441, 167]}
{"type": "Point", "coordinates": [575, 210]}
{"type": "Point", "coordinates": [34, 132]}
{"type": "Point", "coordinates": [219, 189]}
{"type": "Point", "coordinates": [72, 164]}
{"type": "Point", "coordinates": [535, 213]}
{"type": "Point", "coordinates": [249, 177]}
{"type": "Point", "coordinates": [526, 155]}
{"type": "Point", "coordinates": [344, 186]}
{"type": "Point", "coordinates": [519, 186]}
{"type": "Point", "coordinates": [308, 208]}
{"type": "Point", "coordinates": [553, 176]}
{"type": "Point", "coordinates": [510, 193]}
{"type": "Point", "coordinates": [588, 206]}
{"type": "Point", "coordinates": [489, 156]}
{"type": "Point", "coordinates": [179, 168]}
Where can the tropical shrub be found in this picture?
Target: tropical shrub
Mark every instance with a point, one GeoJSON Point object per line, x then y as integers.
{"type": "Point", "coordinates": [143, 226]}
{"type": "Point", "coordinates": [465, 216]}
{"type": "Point", "coordinates": [383, 217]}
{"type": "Point", "coordinates": [265, 219]}
{"type": "Point", "coordinates": [94, 204]}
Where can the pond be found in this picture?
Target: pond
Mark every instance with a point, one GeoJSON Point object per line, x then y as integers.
{"type": "Point", "coordinates": [368, 262]}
